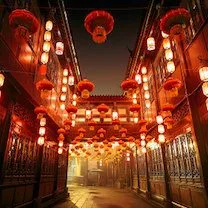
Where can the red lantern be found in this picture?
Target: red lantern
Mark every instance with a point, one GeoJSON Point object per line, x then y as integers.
{"type": "Point", "coordinates": [61, 131]}
{"type": "Point", "coordinates": [172, 85]}
{"type": "Point", "coordinates": [167, 110]}
{"type": "Point", "coordinates": [135, 108]}
{"type": "Point", "coordinates": [112, 139]}
{"type": "Point", "coordinates": [24, 23]}
{"type": "Point", "coordinates": [89, 141]}
{"type": "Point", "coordinates": [67, 124]}
{"type": "Point", "coordinates": [91, 124]}
{"type": "Point", "coordinates": [43, 69]}
{"type": "Point", "coordinates": [81, 131]}
{"type": "Point", "coordinates": [169, 122]}
{"type": "Point", "coordinates": [45, 87]}
{"type": "Point", "coordinates": [123, 132]}
{"type": "Point", "coordinates": [116, 124]}
{"type": "Point", "coordinates": [102, 109]}
{"type": "Point", "coordinates": [40, 111]}
{"type": "Point", "coordinates": [105, 141]}
{"type": "Point", "coordinates": [173, 20]}
{"type": "Point", "coordinates": [71, 109]}
{"type": "Point", "coordinates": [95, 138]}
{"type": "Point", "coordinates": [129, 86]}
{"type": "Point", "coordinates": [143, 130]}
{"type": "Point", "coordinates": [85, 87]}
{"type": "Point", "coordinates": [101, 132]}
{"type": "Point", "coordinates": [99, 24]}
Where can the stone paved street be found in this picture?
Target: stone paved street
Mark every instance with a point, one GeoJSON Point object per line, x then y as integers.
{"type": "Point", "coordinates": [102, 197]}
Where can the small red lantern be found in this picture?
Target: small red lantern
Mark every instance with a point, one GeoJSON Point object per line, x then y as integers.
{"type": "Point", "coordinates": [24, 23]}
{"type": "Point", "coordinates": [85, 87]}
{"type": "Point", "coordinates": [45, 87]}
{"type": "Point", "coordinates": [143, 129]}
{"type": "Point", "coordinates": [129, 86]}
{"type": "Point", "coordinates": [81, 131]}
{"type": "Point", "coordinates": [42, 69]}
{"type": "Point", "coordinates": [112, 138]}
{"type": "Point", "coordinates": [123, 132]}
{"type": "Point", "coordinates": [101, 132]}
{"type": "Point", "coordinates": [67, 124]}
{"type": "Point", "coordinates": [173, 20]}
{"type": "Point", "coordinates": [40, 111]}
{"type": "Point", "coordinates": [95, 138]}
{"type": "Point", "coordinates": [135, 108]}
{"type": "Point", "coordinates": [116, 124]}
{"type": "Point", "coordinates": [172, 85]}
{"type": "Point", "coordinates": [71, 109]}
{"type": "Point", "coordinates": [105, 141]}
{"type": "Point", "coordinates": [91, 124]}
{"type": "Point", "coordinates": [102, 109]}
{"type": "Point", "coordinates": [61, 131]}
{"type": "Point", "coordinates": [89, 141]}
{"type": "Point", "coordinates": [99, 24]}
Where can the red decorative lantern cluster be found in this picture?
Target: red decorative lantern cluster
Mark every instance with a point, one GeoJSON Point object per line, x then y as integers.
{"type": "Point", "coordinates": [24, 23]}
{"type": "Point", "coordinates": [173, 20]}
{"type": "Point", "coordinates": [85, 87]}
{"type": "Point", "coordinates": [44, 86]}
{"type": "Point", "coordinates": [99, 24]}
{"type": "Point", "coordinates": [129, 86]}
{"type": "Point", "coordinates": [102, 109]}
{"type": "Point", "coordinates": [172, 85]}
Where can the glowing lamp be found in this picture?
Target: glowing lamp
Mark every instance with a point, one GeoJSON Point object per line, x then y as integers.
{"type": "Point", "coordinates": [161, 138]}
{"type": "Point", "coordinates": [159, 119]}
{"type": "Point", "coordinates": [64, 80]}
{"type": "Point", "coordinates": [161, 129]}
{"type": "Point", "coordinates": [63, 97]}
{"type": "Point", "coordinates": [71, 80]}
{"type": "Point", "coordinates": [145, 86]}
{"type": "Point", "coordinates": [143, 143]}
{"type": "Point", "coordinates": [73, 123]}
{"type": "Point", "coordinates": [65, 72]}
{"type": "Point", "coordinates": [166, 43]}
{"type": "Point", "coordinates": [127, 159]}
{"type": "Point", "coordinates": [134, 96]}
{"type": "Point", "coordinates": [61, 143]}
{"type": "Point", "coordinates": [74, 115]}
{"type": "Point", "coordinates": [42, 121]}
{"type": "Point", "coordinates": [74, 96]}
{"type": "Point", "coordinates": [59, 48]}
{"type": "Point", "coordinates": [44, 58]}
{"type": "Point", "coordinates": [42, 131]}
{"type": "Point", "coordinates": [115, 115]}
{"type": "Point", "coordinates": [60, 150]}
{"type": "Point", "coordinates": [41, 140]}
{"type": "Point", "coordinates": [134, 101]}
{"type": "Point", "coordinates": [64, 88]}
{"type": "Point", "coordinates": [49, 25]}
{"type": "Point", "coordinates": [203, 72]}
{"type": "Point", "coordinates": [147, 104]}
{"type": "Point", "coordinates": [144, 78]}
{"type": "Point", "coordinates": [88, 114]}
{"type": "Point", "coordinates": [146, 95]}
{"type": "Point", "coordinates": [74, 102]}
{"type": "Point", "coordinates": [138, 78]}
{"type": "Point", "coordinates": [136, 119]}
{"type": "Point", "coordinates": [170, 66]}
{"type": "Point", "coordinates": [46, 46]}
{"type": "Point", "coordinates": [150, 44]}
{"type": "Point", "coordinates": [168, 54]}
{"type": "Point", "coordinates": [47, 36]}
{"type": "Point", "coordinates": [144, 70]}
{"type": "Point", "coordinates": [62, 106]}
{"type": "Point", "coordinates": [205, 88]}
{"type": "Point", "coordinates": [2, 78]}
{"type": "Point", "coordinates": [164, 35]}
{"type": "Point", "coordinates": [142, 136]}
{"type": "Point", "coordinates": [144, 150]}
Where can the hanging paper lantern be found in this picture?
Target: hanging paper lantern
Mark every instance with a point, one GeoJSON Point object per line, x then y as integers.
{"type": "Point", "coordinates": [172, 85]}
{"type": "Point", "coordinates": [164, 35]}
{"type": "Point", "coordinates": [170, 66]}
{"type": "Point", "coordinates": [40, 111]}
{"type": "Point", "coordinates": [123, 132]}
{"type": "Point", "coordinates": [161, 138]}
{"type": "Point", "coordinates": [205, 88]}
{"type": "Point", "coordinates": [102, 109]}
{"type": "Point", "coordinates": [71, 109]}
{"type": "Point", "coordinates": [101, 132]}
{"type": "Point", "coordinates": [129, 86]}
{"type": "Point", "coordinates": [60, 150]}
{"type": "Point", "coordinates": [45, 87]}
{"type": "Point", "coordinates": [116, 124]}
{"type": "Point", "coordinates": [49, 25]}
{"type": "Point", "coordinates": [61, 143]}
{"type": "Point", "coordinates": [144, 150]}
{"type": "Point", "coordinates": [81, 131]}
{"type": "Point", "coordinates": [138, 78]}
{"type": "Point", "coordinates": [24, 23]}
{"type": "Point", "coordinates": [91, 124]}
{"type": "Point", "coordinates": [47, 36]}
{"type": "Point", "coordinates": [173, 21]}
{"type": "Point", "coordinates": [85, 87]}
{"type": "Point", "coordinates": [203, 72]}
{"type": "Point", "coordinates": [161, 129]}
{"type": "Point", "coordinates": [143, 143]}
{"type": "Point", "coordinates": [42, 131]}
{"type": "Point", "coordinates": [41, 140]}
{"type": "Point", "coordinates": [166, 43]}
{"type": "Point", "coordinates": [150, 44]}
{"type": "Point", "coordinates": [147, 103]}
{"type": "Point", "coordinates": [46, 46]}
{"type": "Point", "coordinates": [99, 24]}
{"type": "Point", "coordinates": [59, 48]}
{"type": "Point", "coordinates": [44, 58]}
{"type": "Point", "coordinates": [159, 119]}
{"type": "Point", "coordinates": [88, 114]}
{"type": "Point", "coordinates": [42, 121]}
{"type": "Point", "coordinates": [2, 78]}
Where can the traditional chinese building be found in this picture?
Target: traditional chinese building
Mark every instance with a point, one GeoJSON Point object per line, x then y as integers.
{"type": "Point", "coordinates": [54, 132]}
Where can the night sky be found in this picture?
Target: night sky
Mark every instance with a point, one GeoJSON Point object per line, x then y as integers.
{"type": "Point", "coordinates": [106, 64]}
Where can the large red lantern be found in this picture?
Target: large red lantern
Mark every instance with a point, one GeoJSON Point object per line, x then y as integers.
{"type": "Point", "coordinates": [85, 87]}
{"type": "Point", "coordinates": [71, 109]}
{"type": "Point", "coordinates": [129, 86]}
{"type": "Point", "coordinates": [24, 23]}
{"type": "Point", "coordinates": [99, 24]}
{"type": "Point", "coordinates": [40, 111]}
{"type": "Point", "coordinates": [44, 86]}
{"type": "Point", "coordinates": [173, 20]}
{"type": "Point", "coordinates": [102, 109]}
{"type": "Point", "coordinates": [172, 85]}
{"type": "Point", "coordinates": [135, 108]}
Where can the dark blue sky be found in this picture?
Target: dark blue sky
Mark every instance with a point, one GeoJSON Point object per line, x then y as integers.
{"type": "Point", "coordinates": [105, 64]}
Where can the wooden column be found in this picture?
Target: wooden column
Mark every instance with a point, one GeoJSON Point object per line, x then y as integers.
{"type": "Point", "coordinates": [148, 193]}
{"type": "Point", "coordinates": [137, 169]}
{"type": "Point", "coordinates": [168, 201]}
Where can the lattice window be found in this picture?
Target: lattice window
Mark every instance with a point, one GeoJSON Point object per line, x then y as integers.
{"type": "Point", "coordinates": [142, 165]}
